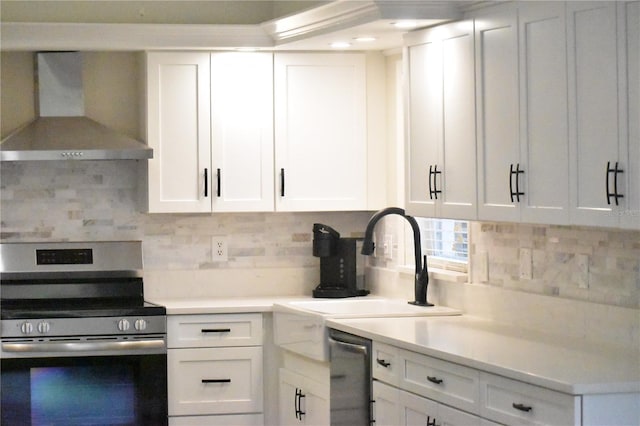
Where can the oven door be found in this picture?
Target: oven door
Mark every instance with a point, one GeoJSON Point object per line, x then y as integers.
{"type": "Point", "coordinates": [84, 389]}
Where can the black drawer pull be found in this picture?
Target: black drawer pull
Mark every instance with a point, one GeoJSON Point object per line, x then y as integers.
{"type": "Point", "coordinates": [435, 380]}
{"type": "Point", "coordinates": [383, 363]}
{"type": "Point", "coordinates": [206, 182]}
{"type": "Point", "coordinates": [219, 183]}
{"type": "Point", "coordinates": [216, 380]}
{"type": "Point", "coordinates": [522, 407]}
{"type": "Point", "coordinates": [216, 330]}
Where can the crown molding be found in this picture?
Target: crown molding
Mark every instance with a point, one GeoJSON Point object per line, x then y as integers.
{"type": "Point", "coordinates": [32, 36]}
{"type": "Point", "coordinates": [334, 16]}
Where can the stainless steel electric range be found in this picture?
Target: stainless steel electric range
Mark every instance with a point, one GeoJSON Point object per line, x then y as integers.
{"type": "Point", "coordinates": [80, 345]}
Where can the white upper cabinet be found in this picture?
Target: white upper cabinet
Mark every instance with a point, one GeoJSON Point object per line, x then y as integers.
{"type": "Point", "coordinates": [522, 114]}
{"type": "Point", "coordinates": [179, 131]}
{"type": "Point", "coordinates": [320, 132]}
{"type": "Point", "coordinates": [210, 123]}
{"type": "Point", "coordinates": [441, 144]}
{"type": "Point", "coordinates": [242, 131]}
{"type": "Point", "coordinates": [631, 216]}
{"type": "Point", "coordinates": [498, 113]}
{"type": "Point", "coordinates": [603, 90]}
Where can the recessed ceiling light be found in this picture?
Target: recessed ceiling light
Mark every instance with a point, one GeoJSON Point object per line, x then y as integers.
{"type": "Point", "coordinates": [247, 49]}
{"type": "Point", "coordinates": [405, 24]}
{"type": "Point", "coordinates": [365, 39]}
{"type": "Point", "coordinates": [340, 45]}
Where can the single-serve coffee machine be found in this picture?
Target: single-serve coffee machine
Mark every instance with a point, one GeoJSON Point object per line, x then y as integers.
{"type": "Point", "coordinates": [341, 264]}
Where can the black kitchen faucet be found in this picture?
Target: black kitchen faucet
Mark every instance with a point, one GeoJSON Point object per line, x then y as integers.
{"type": "Point", "coordinates": [421, 275]}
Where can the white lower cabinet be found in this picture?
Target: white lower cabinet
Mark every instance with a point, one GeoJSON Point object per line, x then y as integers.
{"type": "Point", "coordinates": [394, 406]}
{"type": "Point", "coordinates": [304, 392]}
{"type": "Point", "coordinates": [215, 369]}
{"type": "Point", "coordinates": [410, 388]}
{"type": "Point", "coordinates": [513, 402]}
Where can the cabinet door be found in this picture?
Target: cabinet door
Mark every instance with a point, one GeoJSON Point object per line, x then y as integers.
{"type": "Point", "coordinates": [630, 217]}
{"type": "Point", "coordinates": [315, 403]}
{"type": "Point", "coordinates": [178, 130]}
{"type": "Point", "coordinates": [242, 131]}
{"type": "Point", "coordinates": [424, 125]}
{"type": "Point", "coordinates": [320, 131]}
{"type": "Point", "coordinates": [441, 149]}
{"type": "Point", "coordinates": [597, 100]}
{"type": "Point", "coordinates": [302, 400]}
{"type": "Point", "coordinates": [386, 408]}
{"type": "Point", "coordinates": [458, 153]}
{"type": "Point", "coordinates": [416, 410]}
{"type": "Point", "coordinates": [543, 113]}
{"type": "Point", "coordinates": [497, 111]}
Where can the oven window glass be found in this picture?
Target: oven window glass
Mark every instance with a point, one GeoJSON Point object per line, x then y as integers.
{"type": "Point", "coordinates": [123, 390]}
{"type": "Point", "coordinates": [82, 395]}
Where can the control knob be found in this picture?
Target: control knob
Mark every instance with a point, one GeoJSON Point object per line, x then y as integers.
{"type": "Point", "coordinates": [26, 327]}
{"type": "Point", "coordinates": [44, 327]}
{"type": "Point", "coordinates": [123, 325]}
{"type": "Point", "coordinates": [140, 324]}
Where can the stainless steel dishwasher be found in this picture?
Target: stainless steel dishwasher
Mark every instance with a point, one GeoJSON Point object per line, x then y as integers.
{"type": "Point", "coordinates": [350, 379]}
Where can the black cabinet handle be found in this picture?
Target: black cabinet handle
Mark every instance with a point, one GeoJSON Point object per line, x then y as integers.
{"type": "Point", "coordinates": [430, 421]}
{"type": "Point", "coordinates": [517, 172]}
{"type": "Point", "coordinates": [206, 182]}
{"type": "Point", "coordinates": [219, 181]}
{"type": "Point", "coordinates": [215, 330]}
{"type": "Point", "coordinates": [216, 380]}
{"type": "Point", "coordinates": [282, 182]}
{"type": "Point", "coordinates": [435, 380]}
{"type": "Point", "coordinates": [433, 190]}
{"type": "Point", "coordinates": [383, 363]}
{"type": "Point", "coordinates": [522, 407]}
{"type": "Point", "coordinates": [297, 404]}
{"type": "Point", "coordinates": [615, 172]}
{"type": "Point", "coordinates": [430, 185]}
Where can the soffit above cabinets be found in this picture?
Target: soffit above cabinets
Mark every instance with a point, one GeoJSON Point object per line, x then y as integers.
{"type": "Point", "coordinates": [306, 25]}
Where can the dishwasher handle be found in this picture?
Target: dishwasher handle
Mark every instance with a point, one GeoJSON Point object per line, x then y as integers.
{"type": "Point", "coordinates": [347, 346]}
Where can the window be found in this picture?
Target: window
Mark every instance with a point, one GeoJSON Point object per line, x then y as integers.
{"type": "Point", "coordinates": [445, 242]}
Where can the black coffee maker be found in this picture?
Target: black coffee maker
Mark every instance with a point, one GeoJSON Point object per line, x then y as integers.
{"type": "Point", "coordinates": [341, 264]}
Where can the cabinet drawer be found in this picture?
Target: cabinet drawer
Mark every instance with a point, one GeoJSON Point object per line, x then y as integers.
{"type": "Point", "coordinates": [222, 420]}
{"type": "Point", "coordinates": [443, 381]}
{"type": "Point", "coordinates": [214, 380]}
{"type": "Point", "coordinates": [385, 364]}
{"type": "Point", "coordinates": [199, 331]}
{"type": "Point", "coordinates": [513, 402]}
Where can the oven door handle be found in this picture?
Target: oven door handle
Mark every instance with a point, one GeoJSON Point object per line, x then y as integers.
{"type": "Point", "coordinates": [84, 346]}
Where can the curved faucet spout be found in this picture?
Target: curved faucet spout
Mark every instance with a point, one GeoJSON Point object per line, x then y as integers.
{"type": "Point", "coordinates": [421, 276]}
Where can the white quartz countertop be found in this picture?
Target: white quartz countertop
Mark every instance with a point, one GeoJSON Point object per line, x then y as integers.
{"type": "Point", "coordinates": [567, 365]}
{"type": "Point", "coordinates": [212, 305]}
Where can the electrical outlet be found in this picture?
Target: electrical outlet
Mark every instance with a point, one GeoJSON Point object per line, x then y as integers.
{"type": "Point", "coordinates": [582, 261]}
{"type": "Point", "coordinates": [388, 246]}
{"type": "Point", "coordinates": [219, 249]}
{"type": "Point", "coordinates": [526, 264]}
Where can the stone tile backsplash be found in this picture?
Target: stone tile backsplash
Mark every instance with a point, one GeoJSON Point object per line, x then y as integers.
{"type": "Point", "coordinates": [612, 258]}
{"type": "Point", "coordinates": [98, 200]}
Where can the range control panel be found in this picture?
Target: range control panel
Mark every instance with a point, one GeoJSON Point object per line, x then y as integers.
{"type": "Point", "coordinates": [80, 256]}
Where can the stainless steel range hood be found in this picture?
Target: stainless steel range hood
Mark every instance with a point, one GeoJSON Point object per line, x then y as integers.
{"type": "Point", "coordinates": [62, 132]}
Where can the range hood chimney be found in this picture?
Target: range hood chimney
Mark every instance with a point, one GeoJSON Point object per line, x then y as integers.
{"type": "Point", "coordinates": [62, 131]}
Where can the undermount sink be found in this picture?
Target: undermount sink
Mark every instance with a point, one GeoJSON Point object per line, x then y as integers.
{"type": "Point", "coordinates": [357, 307]}
{"type": "Point", "coordinates": [299, 325]}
